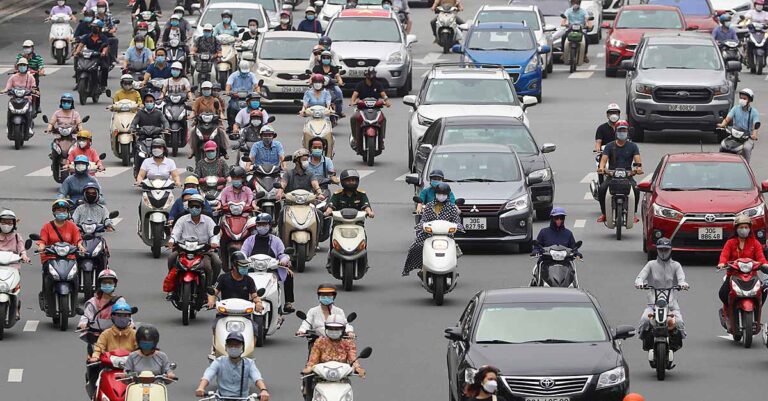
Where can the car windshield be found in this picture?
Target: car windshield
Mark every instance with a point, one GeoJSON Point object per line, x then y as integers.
{"type": "Point", "coordinates": [364, 30]}
{"type": "Point", "coordinates": [547, 7]}
{"type": "Point", "coordinates": [540, 322]}
{"type": "Point", "coordinates": [698, 176]}
{"type": "Point", "coordinates": [239, 15]}
{"type": "Point", "coordinates": [469, 91]}
{"type": "Point", "coordinates": [649, 19]}
{"type": "Point", "coordinates": [477, 167]}
{"type": "Point", "coordinates": [267, 4]}
{"type": "Point", "coordinates": [529, 18]}
{"type": "Point", "coordinates": [687, 7]}
{"type": "Point", "coordinates": [513, 39]}
{"type": "Point", "coordinates": [286, 48]}
{"type": "Point", "coordinates": [684, 57]}
{"type": "Point", "coordinates": [359, 2]}
{"type": "Point", "coordinates": [516, 136]}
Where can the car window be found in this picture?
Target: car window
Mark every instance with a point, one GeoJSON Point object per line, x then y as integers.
{"type": "Point", "coordinates": [649, 19]}
{"type": "Point", "coordinates": [520, 323]}
{"type": "Point", "coordinates": [687, 7]}
{"type": "Point", "coordinates": [267, 4]}
{"type": "Point", "coordinates": [359, 2]}
{"type": "Point", "coordinates": [683, 57]}
{"type": "Point", "coordinates": [469, 91]}
{"type": "Point", "coordinates": [693, 176]}
{"type": "Point", "coordinates": [286, 48]}
{"type": "Point", "coordinates": [477, 167]}
{"type": "Point", "coordinates": [529, 18]}
{"type": "Point", "coordinates": [483, 39]}
{"type": "Point", "coordinates": [364, 30]}
{"type": "Point", "coordinates": [431, 134]}
{"type": "Point", "coordinates": [516, 136]}
{"type": "Point", "coordinates": [239, 15]}
{"type": "Point", "coordinates": [466, 318]}
{"type": "Point", "coordinates": [657, 171]}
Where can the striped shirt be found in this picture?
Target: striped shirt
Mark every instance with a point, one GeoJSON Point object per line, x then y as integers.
{"type": "Point", "coordinates": [35, 61]}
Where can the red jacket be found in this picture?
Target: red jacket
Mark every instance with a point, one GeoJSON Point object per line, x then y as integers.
{"type": "Point", "coordinates": [69, 233]}
{"type": "Point", "coordinates": [752, 249]}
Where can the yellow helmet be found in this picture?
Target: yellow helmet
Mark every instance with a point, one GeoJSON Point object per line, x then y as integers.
{"type": "Point", "coordinates": [191, 180]}
{"type": "Point", "coordinates": [85, 134]}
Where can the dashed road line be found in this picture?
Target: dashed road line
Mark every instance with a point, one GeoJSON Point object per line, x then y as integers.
{"type": "Point", "coordinates": [5, 168]}
{"type": "Point", "coordinates": [112, 171]}
{"type": "Point", "coordinates": [43, 172]}
{"type": "Point", "coordinates": [728, 337]}
{"type": "Point", "coordinates": [589, 178]}
{"type": "Point", "coordinates": [588, 196]}
{"type": "Point", "coordinates": [365, 173]}
{"type": "Point", "coordinates": [581, 75]}
{"type": "Point", "coordinates": [15, 375]}
{"type": "Point", "coordinates": [579, 223]}
{"type": "Point", "coordinates": [116, 221]}
{"type": "Point", "coordinates": [31, 325]}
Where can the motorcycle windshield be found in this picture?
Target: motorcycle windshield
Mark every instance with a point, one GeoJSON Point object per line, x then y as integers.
{"type": "Point", "coordinates": [557, 274]}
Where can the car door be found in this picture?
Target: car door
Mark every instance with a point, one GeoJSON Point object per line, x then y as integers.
{"type": "Point", "coordinates": [647, 201]}
{"type": "Point", "coordinates": [430, 139]}
{"type": "Point", "coordinates": [457, 350]}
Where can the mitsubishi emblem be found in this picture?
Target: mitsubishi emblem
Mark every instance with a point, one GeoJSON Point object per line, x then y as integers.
{"type": "Point", "coordinates": [474, 209]}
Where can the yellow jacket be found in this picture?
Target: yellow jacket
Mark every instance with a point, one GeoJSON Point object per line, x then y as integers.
{"type": "Point", "coordinates": [122, 94]}
{"type": "Point", "coordinates": [113, 339]}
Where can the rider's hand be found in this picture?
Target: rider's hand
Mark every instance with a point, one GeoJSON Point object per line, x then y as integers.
{"type": "Point", "coordinates": [259, 306]}
{"type": "Point", "coordinates": [601, 170]}
{"type": "Point", "coordinates": [320, 197]}
{"type": "Point", "coordinates": [289, 271]}
{"type": "Point", "coordinates": [685, 287]}
{"type": "Point", "coordinates": [721, 266]}
{"type": "Point", "coordinates": [211, 304]}
{"type": "Point", "coordinates": [370, 214]}
{"type": "Point", "coordinates": [25, 259]}
{"type": "Point", "coordinates": [92, 359]}
{"type": "Point", "coordinates": [360, 372]}
{"type": "Point", "coordinates": [264, 395]}
{"type": "Point", "coordinates": [638, 286]}
{"type": "Point", "coordinates": [214, 246]}
{"type": "Point", "coordinates": [82, 326]}
{"type": "Point", "coordinates": [300, 334]}
{"type": "Point", "coordinates": [306, 370]}
{"type": "Point", "coordinates": [328, 212]}
{"type": "Point", "coordinates": [200, 392]}
{"type": "Point", "coordinates": [41, 247]}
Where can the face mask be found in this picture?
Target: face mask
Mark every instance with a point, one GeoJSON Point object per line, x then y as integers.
{"type": "Point", "coordinates": [256, 122]}
{"type": "Point", "coordinates": [310, 17]}
{"type": "Point", "coordinates": [434, 183]}
{"type": "Point", "coordinates": [575, 7]}
{"type": "Point", "coordinates": [234, 352]}
{"type": "Point", "coordinates": [317, 152]}
{"type": "Point", "coordinates": [160, 59]}
{"type": "Point", "coordinates": [743, 232]}
{"type": "Point", "coordinates": [149, 106]}
{"type": "Point", "coordinates": [758, 8]}
{"type": "Point", "coordinates": [243, 73]}
{"type": "Point", "coordinates": [326, 61]}
{"type": "Point", "coordinates": [80, 168]}
{"type": "Point", "coordinates": [253, 29]}
{"type": "Point", "coordinates": [91, 198]}
{"type": "Point", "coordinates": [195, 211]}
{"type": "Point", "coordinates": [255, 104]}
{"type": "Point", "coordinates": [101, 10]}
{"type": "Point", "coordinates": [175, 73]}
{"type": "Point", "coordinates": [267, 141]}
{"type": "Point", "coordinates": [210, 155]}
{"type": "Point", "coordinates": [318, 86]}
{"type": "Point", "coordinates": [743, 102]}
{"type": "Point", "coordinates": [157, 152]}
{"type": "Point", "coordinates": [490, 386]}
{"type": "Point", "coordinates": [121, 322]}
{"type": "Point", "coordinates": [61, 216]}
{"type": "Point", "coordinates": [613, 117]}
{"type": "Point", "coordinates": [665, 255]}
{"type": "Point", "coordinates": [66, 106]}
{"type": "Point", "coordinates": [82, 144]}
{"type": "Point", "coordinates": [206, 92]}
{"type": "Point", "coordinates": [622, 136]}
{"type": "Point", "coordinates": [207, 34]}
{"type": "Point", "coordinates": [23, 69]}
{"type": "Point", "coordinates": [141, 32]}
{"type": "Point", "coordinates": [242, 270]}
{"type": "Point", "coordinates": [146, 345]}
{"type": "Point", "coordinates": [6, 228]}
{"type": "Point", "coordinates": [727, 24]}
{"type": "Point", "coordinates": [262, 230]}
{"type": "Point", "coordinates": [441, 197]}
{"type": "Point", "coordinates": [107, 288]}
{"type": "Point", "coordinates": [88, 20]}
{"type": "Point", "coordinates": [304, 164]}
{"type": "Point", "coordinates": [387, 6]}
{"type": "Point", "coordinates": [226, 20]}
{"type": "Point", "coordinates": [334, 334]}
{"type": "Point", "coordinates": [174, 23]}
{"type": "Point", "coordinates": [284, 21]}
{"type": "Point", "coordinates": [237, 184]}
{"type": "Point", "coordinates": [27, 50]}
{"type": "Point", "coordinates": [326, 300]}
{"type": "Point", "coordinates": [139, 46]}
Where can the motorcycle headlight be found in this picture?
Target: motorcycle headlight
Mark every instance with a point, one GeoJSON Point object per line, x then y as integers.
{"type": "Point", "coordinates": [612, 377]}
{"type": "Point", "coordinates": [54, 274]}
{"type": "Point", "coordinates": [72, 273]}
{"type": "Point", "coordinates": [145, 200]}
{"type": "Point", "coordinates": [745, 294]}
{"type": "Point", "coordinates": [264, 70]}
{"type": "Point", "coordinates": [745, 267]}
{"type": "Point", "coordinates": [469, 375]}
{"type": "Point", "coordinates": [395, 58]}
{"type": "Point", "coordinates": [756, 211]}
{"type": "Point", "coordinates": [4, 287]}
{"type": "Point", "coordinates": [207, 118]}
{"type": "Point", "coordinates": [62, 251]}
{"type": "Point", "coordinates": [532, 65]}
{"type": "Point", "coordinates": [89, 228]}
{"type": "Point", "coordinates": [666, 212]}
{"type": "Point", "coordinates": [644, 89]}
{"type": "Point", "coordinates": [558, 255]}
{"type": "Point", "coordinates": [440, 245]}
{"type": "Point", "coordinates": [318, 397]}
{"type": "Point", "coordinates": [98, 248]}
{"type": "Point", "coordinates": [19, 92]}
{"type": "Point", "coordinates": [545, 174]}
{"type": "Point", "coordinates": [721, 90]}
{"type": "Point", "coordinates": [616, 43]}
{"type": "Point", "coordinates": [235, 326]}
{"type": "Point", "coordinates": [168, 114]}
{"type": "Point", "coordinates": [520, 203]}
{"type": "Point", "coordinates": [423, 120]}
{"type": "Point", "coordinates": [348, 232]}
{"type": "Point", "coordinates": [169, 201]}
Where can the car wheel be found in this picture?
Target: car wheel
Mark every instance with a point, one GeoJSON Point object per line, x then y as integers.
{"type": "Point", "coordinates": [611, 72]}
{"type": "Point", "coordinates": [550, 66]}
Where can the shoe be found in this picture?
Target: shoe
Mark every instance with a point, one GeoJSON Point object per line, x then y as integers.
{"type": "Point", "coordinates": [586, 59]}
{"type": "Point", "coordinates": [601, 219]}
{"type": "Point", "coordinates": [288, 308]}
{"type": "Point", "coordinates": [637, 220]}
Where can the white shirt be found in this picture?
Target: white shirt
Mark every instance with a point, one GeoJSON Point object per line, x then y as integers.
{"type": "Point", "coordinates": [164, 169]}
{"type": "Point", "coordinates": [316, 318]}
{"type": "Point", "coordinates": [756, 16]}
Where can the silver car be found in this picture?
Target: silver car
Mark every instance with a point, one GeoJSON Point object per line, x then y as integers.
{"type": "Point", "coordinates": [241, 13]}
{"type": "Point", "coordinates": [281, 61]}
{"type": "Point", "coordinates": [271, 7]}
{"type": "Point", "coordinates": [365, 38]}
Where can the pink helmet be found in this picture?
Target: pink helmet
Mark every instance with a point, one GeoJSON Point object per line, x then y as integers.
{"type": "Point", "coordinates": [210, 145]}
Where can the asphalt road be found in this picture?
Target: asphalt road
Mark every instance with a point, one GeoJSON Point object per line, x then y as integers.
{"type": "Point", "coordinates": [396, 316]}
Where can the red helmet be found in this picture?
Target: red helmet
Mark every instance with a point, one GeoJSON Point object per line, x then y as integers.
{"type": "Point", "coordinates": [210, 145]}
{"type": "Point", "coordinates": [621, 124]}
{"type": "Point", "coordinates": [101, 3]}
{"type": "Point", "coordinates": [634, 397]}
{"type": "Point", "coordinates": [256, 113]}
{"type": "Point", "coordinates": [318, 78]}
{"type": "Point", "coordinates": [142, 24]}
{"type": "Point", "coordinates": [761, 2]}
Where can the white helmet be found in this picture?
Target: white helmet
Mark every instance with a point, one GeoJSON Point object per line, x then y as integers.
{"type": "Point", "coordinates": [206, 85]}
{"type": "Point", "coordinates": [28, 43]}
{"type": "Point", "coordinates": [208, 27]}
{"type": "Point", "coordinates": [613, 107]}
{"type": "Point", "coordinates": [7, 214]}
{"type": "Point", "coordinates": [748, 92]}
{"type": "Point", "coordinates": [177, 65]}
{"type": "Point", "coordinates": [335, 326]}
{"type": "Point", "coordinates": [244, 66]}
{"type": "Point", "coordinates": [107, 273]}
{"type": "Point", "coordinates": [310, 9]}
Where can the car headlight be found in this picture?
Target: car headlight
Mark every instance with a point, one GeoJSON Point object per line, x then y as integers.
{"type": "Point", "coordinates": [423, 120]}
{"type": "Point", "coordinates": [666, 212]}
{"type": "Point", "coordinates": [545, 174]}
{"type": "Point", "coordinates": [532, 65]}
{"type": "Point", "coordinates": [756, 211]}
{"type": "Point", "coordinates": [469, 375]}
{"type": "Point", "coordinates": [519, 203]}
{"type": "Point", "coordinates": [616, 43]}
{"type": "Point", "coordinates": [264, 70]}
{"type": "Point", "coordinates": [395, 58]}
{"type": "Point", "coordinates": [721, 90]}
{"type": "Point", "coordinates": [612, 377]}
{"type": "Point", "coordinates": [644, 89]}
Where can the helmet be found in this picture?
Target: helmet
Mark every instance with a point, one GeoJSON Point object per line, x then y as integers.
{"type": "Point", "coordinates": [67, 97]}
{"type": "Point", "coordinates": [206, 85]}
{"type": "Point", "coordinates": [613, 107]}
{"type": "Point", "coordinates": [177, 65]}
{"type": "Point", "coordinates": [443, 188]}
{"type": "Point", "coordinates": [317, 50]}
{"type": "Point", "coordinates": [267, 129]}
{"type": "Point", "coordinates": [85, 134]}
{"type": "Point", "coordinates": [21, 61]}
{"type": "Point", "coordinates": [107, 274]}
{"type": "Point", "coordinates": [89, 13]}
{"type": "Point", "coordinates": [148, 95]}
{"type": "Point", "coordinates": [81, 159]}
{"type": "Point", "coordinates": [142, 25]}
{"type": "Point", "coordinates": [101, 3]}
{"type": "Point", "coordinates": [256, 113]}
{"type": "Point", "coordinates": [349, 173]}
{"type": "Point", "coordinates": [557, 211]}
{"type": "Point", "coordinates": [99, 23]}
{"type": "Point", "coordinates": [216, 86]}
{"type": "Point", "coordinates": [244, 66]}
{"type": "Point", "coordinates": [297, 155]}
{"type": "Point", "coordinates": [725, 17]}
{"type": "Point", "coordinates": [370, 72]}
{"type": "Point", "coordinates": [235, 336]}
{"type": "Point", "coordinates": [148, 333]}
{"type": "Point", "coordinates": [327, 289]}
{"type": "Point", "coordinates": [175, 16]}
{"type": "Point", "coordinates": [210, 145]}
{"type": "Point", "coordinates": [196, 198]}
{"type": "Point", "coordinates": [28, 43]}
{"type": "Point", "coordinates": [335, 322]}
{"type": "Point", "coordinates": [191, 180]}
{"type": "Point", "coordinates": [207, 27]}
{"type": "Point", "coordinates": [253, 95]}
{"type": "Point", "coordinates": [263, 218]}
{"type": "Point", "coordinates": [326, 54]}
{"type": "Point", "coordinates": [317, 78]}
{"type": "Point", "coordinates": [741, 219]}
{"type": "Point", "coordinates": [179, 9]}
{"type": "Point", "coordinates": [237, 171]}
{"type": "Point", "coordinates": [226, 12]}
{"type": "Point", "coordinates": [91, 185]}
{"type": "Point", "coordinates": [285, 13]}
{"type": "Point", "coordinates": [126, 79]}
{"type": "Point", "coordinates": [325, 41]}
{"type": "Point", "coordinates": [60, 204]}
{"type": "Point", "coordinates": [121, 307]}
{"type": "Point", "coordinates": [189, 191]}
{"type": "Point", "coordinates": [634, 397]}
{"type": "Point", "coordinates": [158, 142]}
{"type": "Point", "coordinates": [663, 243]}
{"type": "Point", "coordinates": [623, 124]}
{"type": "Point", "coordinates": [761, 2]}
{"type": "Point", "coordinates": [238, 258]}
{"type": "Point", "coordinates": [7, 214]}
{"type": "Point", "coordinates": [749, 93]}
{"type": "Point", "coordinates": [437, 173]}
{"type": "Point", "coordinates": [309, 9]}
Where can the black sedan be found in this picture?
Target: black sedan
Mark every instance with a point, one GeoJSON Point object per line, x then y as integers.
{"type": "Point", "coordinates": [550, 344]}
{"type": "Point", "coordinates": [499, 130]}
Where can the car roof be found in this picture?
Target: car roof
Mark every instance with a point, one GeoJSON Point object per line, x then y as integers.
{"type": "Point", "coordinates": [365, 12]}
{"type": "Point", "coordinates": [233, 5]}
{"type": "Point", "coordinates": [536, 294]}
{"type": "Point", "coordinates": [481, 120]}
{"type": "Point", "coordinates": [676, 38]}
{"type": "Point", "coordinates": [467, 70]}
{"type": "Point", "coordinates": [655, 7]}
{"type": "Point", "coordinates": [474, 148]}
{"type": "Point", "coordinates": [521, 7]}
{"type": "Point", "coordinates": [291, 34]}
{"type": "Point", "coordinates": [499, 25]}
{"type": "Point", "coordinates": [704, 157]}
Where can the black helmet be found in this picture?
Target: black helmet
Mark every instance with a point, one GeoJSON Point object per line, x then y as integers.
{"type": "Point", "coordinates": [238, 258]}
{"type": "Point", "coordinates": [370, 72]}
{"type": "Point", "coordinates": [663, 243]}
{"type": "Point", "coordinates": [148, 333]}
{"type": "Point", "coordinates": [325, 41]}
{"type": "Point", "coordinates": [253, 95]}
{"type": "Point", "coordinates": [437, 173]}
{"type": "Point", "coordinates": [443, 189]}
{"type": "Point", "coordinates": [350, 179]}
{"type": "Point", "coordinates": [148, 95]}
{"type": "Point", "coordinates": [236, 336]}
{"type": "Point", "coordinates": [237, 171]}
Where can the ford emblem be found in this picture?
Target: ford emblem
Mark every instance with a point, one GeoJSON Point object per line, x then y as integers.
{"type": "Point", "coordinates": [682, 94]}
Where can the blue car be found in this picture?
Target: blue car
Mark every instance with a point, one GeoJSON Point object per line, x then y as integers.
{"type": "Point", "coordinates": [510, 45]}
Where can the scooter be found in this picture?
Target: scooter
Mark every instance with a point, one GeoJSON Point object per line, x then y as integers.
{"type": "Point", "coordinates": [10, 287]}
{"type": "Point", "coordinates": [145, 386]}
{"type": "Point", "coordinates": [123, 113]}
{"type": "Point", "coordinates": [177, 51]}
{"type": "Point", "coordinates": [555, 267]}
{"type": "Point", "coordinates": [662, 354]}
{"type": "Point", "coordinates": [734, 141]}
{"type": "Point", "coordinates": [190, 295]}
{"type": "Point", "coordinates": [63, 139]}
{"type": "Point", "coordinates": [620, 201]}
{"type": "Point", "coordinates": [263, 271]}
{"type": "Point", "coordinates": [731, 51]}
{"type": "Point", "coordinates": [371, 122]}
{"type": "Point", "coordinates": [206, 129]}
{"type": "Point", "coordinates": [175, 111]}
{"type": "Point", "coordinates": [21, 116]}
{"type": "Point", "coordinates": [448, 32]}
{"type": "Point", "coordinates": [318, 125]}
{"type": "Point", "coordinates": [228, 61]}
{"type": "Point", "coordinates": [235, 229]}
{"type": "Point", "coordinates": [237, 314]}
{"type": "Point", "coordinates": [156, 201]}
{"type": "Point", "coordinates": [349, 247]}
{"type": "Point", "coordinates": [96, 255]}
{"type": "Point", "coordinates": [439, 273]}
{"type": "Point", "coordinates": [153, 28]}
{"type": "Point", "coordinates": [300, 227]}
{"type": "Point", "coordinates": [573, 52]}
{"type": "Point", "coordinates": [741, 318]}
{"type": "Point", "coordinates": [237, 102]}
{"type": "Point", "coordinates": [756, 48]}
{"type": "Point", "coordinates": [142, 148]}
{"type": "Point", "coordinates": [109, 386]}
{"type": "Point", "coordinates": [62, 271]}
{"type": "Point", "coordinates": [263, 179]}
{"type": "Point", "coordinates": [89, 81]}
{"type": "Point", "coordinates": [155, 87]}
{"type": "Point", "coordinates": [203, 66]}
{"type": "Point", "coordinates": [332, 379]}
{"type": "Point", "coordinates": [60, 37]}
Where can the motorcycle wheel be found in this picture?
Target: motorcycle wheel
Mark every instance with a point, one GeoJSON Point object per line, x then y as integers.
{"type": "Point", "coordinates": [301, 258]}
{"type": "Point", "coordinates": [747, 319]}
{"type": "Point", "coordinates": [125, 154]}
{"type": "Point", "coordinates": [619, 220]}
{"type": "Point", "coordinates": [82, 91]}
{"type": "Point", "coordinates": [370, 143]}
{"type": "Point", "coordinates": [157, 240]}
{"type": "Point", "coordinates": [3, 317]}
{"type": "Point", "coordinates": [95, 97]}
{"type": "Point", "coordinates": [438, 295]}
{"type": "Point", "coordinates": [60, 59]}
{"type": "Point", "coordinates": [18, 137]}
{"type": "Point", "coordinates": [574, 58]}
{"type": "Point", "coordinates": [261, 334]}
{"type": "Point", "coordinates": [760, 65]}
{"type": "Point", "coordinates": [184, 303]}
{"type": "Point", "coordinates": [56, 170]}
{"type": "Point", "coordinates": [63, 312]}
{"type": "Point", "coordinates": [87, 285]}
{"type": "Point", "coordinates": [348, 275]}
{"type": "Point", "coordinates": [446, 43]}
{"type": "Point", "coordinates": [660, 359]}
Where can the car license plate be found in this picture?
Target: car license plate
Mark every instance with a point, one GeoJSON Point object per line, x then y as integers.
{"type": "Point", "coordinates": [547, 399]}
{"type": "Point", "coordinates": [356, 72]}
{"type": "Point", "coordinates": [475, 223]}
{"type": "Point", "coordinates": [682, 107]}
{"type": "Point", "coordinates": [710, 233]}
{"type": "Point", "coordinates": [294, 89]}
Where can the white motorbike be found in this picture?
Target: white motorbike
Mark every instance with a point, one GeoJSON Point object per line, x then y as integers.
{"type": "Point", "coordinates": [349, 253]}
{"type": "Point", "coordinates": [332, 379]}
{"type": "Point", "coordinates": [10, 286]}
{"type": "Point", "coordinates": [156, 201]}
{"type": "Point", "coordinates": [439, 273]}
{"type": "Point", "coordinates": [237, 318]}
{"type": "Point", "coordinates": [448, 32]}
{"type": "Point", "coordinates": [318, 125]}
{"type": "Point", "coordinates": [60, 37]}
{"type": "Point", "coordinates": [228, 61]}
{"type": "Point", "coordinates": [264, 275]}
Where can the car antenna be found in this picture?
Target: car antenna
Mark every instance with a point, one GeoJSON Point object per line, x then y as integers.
{"type": "Point", "coordinates": [701, 146]}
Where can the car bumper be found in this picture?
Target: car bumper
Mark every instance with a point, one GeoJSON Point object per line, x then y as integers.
{"type": "Point", "coordinates": [391, 75]}
{"type": "Point", "coordinates": [653, 115]}
{"type": "Point", "coordinates": [543, 194]}
{"type": "Point", "coordinates": [684, 233]}
{"type": "Point", "coordinates": [615, 393]}
{"type": "Point", "coordinates": [615, 55]}
{"type": "Point", "coordinates": [508, 226]}
{"type": "Point", "coordinates": [526, 84]}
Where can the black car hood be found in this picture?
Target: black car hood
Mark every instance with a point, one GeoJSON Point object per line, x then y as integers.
{"type": "Point", "coordinates": [532, 162]}
{"type": "Point", "coordinates": [487, 192]}
{"type": "Point", "coordinates": [546, 359]}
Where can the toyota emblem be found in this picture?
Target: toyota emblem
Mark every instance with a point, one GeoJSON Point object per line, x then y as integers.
{"type": "Point", "coordinates": [361, 63]}
{"type": "Point", "coordinates": [547, 383]}
{"type": "Point", "coordinates": [474, 209]}
{"type": "Point", "coordinates": [682, 94]}
{"type": "Point", "coordinates": [709, 218]}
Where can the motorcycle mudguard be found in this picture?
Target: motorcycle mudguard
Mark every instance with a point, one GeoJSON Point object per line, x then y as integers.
{"type": "Point", "coordinates": [4, 298]}
{"type": "Point", "coordinates": [189, 277]}
{"type": "Point", "coordinates": [17, 120]}
{"type": "Point", "coordinates": [370, 131]}
{"type": "Point", "coordinates": [62, 287]}
{"type": "Point", "coordinates": [84, 75]}
{"type": "Point", "coordinates": [746, 304]}
{"type": "Point", "coordinates": [138, 392]}
{"type": "Point", "coordinates": [609, 221]}
{"type": "Point", "coordinates": [157, 217]}
{"type": "Point", "coordinates": [630, 220]}
{"type": "Point", "coordinates": [59, 44]}
{"type": "Point", "coordinates": [124, 139]}
{"type": "Point", "coordinates": [87, 265]}
{"type": "Point", "coordinates": [300, 237]}
{"type": "Point", "coordinates": [760, 52]}
{"type": "Point", "coordinates": [222, 67]}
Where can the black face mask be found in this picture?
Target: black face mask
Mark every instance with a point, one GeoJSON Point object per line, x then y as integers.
{"type": "Point", "coordinates": [350, 185]}
{"type": "Point", "coordinates": [91, 198]}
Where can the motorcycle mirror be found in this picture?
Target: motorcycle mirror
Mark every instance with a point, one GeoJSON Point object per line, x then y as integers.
{"type": "Point", "coordinates": [173, 366]}
{"type": "Point", "coordinates": [79, 311]}
{"type": "Point", "coordinates": [34, 237]}
{"type": "Point", "coordinates": [416, 199]}
{"type": "Point", "coordinates": [28, 244]}
{"type": "Point", "coordinates": [277, 185]}
{"type": "Point", "coordinates": [86, 118]}
{"type": "Point", "coordinates": [460, 201]}
{"type": "Point", "coordinates": [578, 244]}
{"type": "Point", "coordinates": [115, 21]}
{"type": "Point", "coordinates": [210, 292]}
{"type": "Point", "coordinates": [108, 92]}
{"type": "Point", "coordinates": [365, 353]}
{"type": "Point", "coordinates": [301, 315]}
{"type": "Point", "coordinates": [308, 72]}
{"type": "Point", "coordinates": [114, 214]}
{"type": "Point", "coordinates": [261, 82]}
{"type": "Point", "coordinates": [259, 195]}
{"type": "Point", "coordinates": [74, 12]}
{"type": "Point", "coordinates": [102, 156]}
{"type": "Point", "coordinates": [134, 310]}
{"type": "Point", "coordinates": [194, 88]}
{"type": "Point", "coordinates": [261, 291]}
{"type": "Point", "coordinates": [271, 119]}
{"type": "Point", "coordinates": [351, 317]}
{"type": "Point", "coordinates": [290, 251]}
{"type": "Point", "coordinates": [48, 12]}
{"type": "Point", "coordinates": [190, 169]}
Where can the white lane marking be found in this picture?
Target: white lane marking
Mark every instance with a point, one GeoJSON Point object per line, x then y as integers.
{"type": "Point", "coordinates": [592, 67]}
{"type": "Point", "coordinates": [766, 77]}
{"type": "Point", "coordinates": [429, 58]}
{"type": "Point", "coordinates": [31, 325]}
{"type": "Point", "coordinates": [589, 178]}
{"type": "Point", "coordinates": [563, 68]}
{"type": "Point", "coordinates": [581, 75]}
{"type": "Point", "coordinates": [116, 221]}
{"type": "Point", "coordinates": [588, 196]}
{"type": "Point", "coordinates": [365, 173]}
{"type": "Point", "coordinates": [43, 172]}
{"type": "Point", "coordinates": [112, 171]}
{"type": "Point", "coordinates": [3, 70]}
{"type": "Point", "coordinates": [728, 337]}
{"type": "Point", "coordinates": [600, 55]}
{"type": "Point", "coordinates": [15, 375]}
{"type": "Point", "coordinates": [580, 223]}
{"type": "Point", "coordinates": [402, 177]}
{"type": "Point", "coordinates": [4, 168]}
{"type": "Point", "coordinates": [48, 70]}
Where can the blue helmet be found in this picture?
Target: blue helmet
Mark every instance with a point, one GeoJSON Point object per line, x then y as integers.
{"type": "Point", "coordinates": [264, 218]}
{"type": "Point", "coordinates": [67, 97]}
{"type": "Point", "coordinates": [190, 191]}
{"type": "Point", "coordinates": [725, 17]}
{"type": "Point", "coordinates": [121, 307]}
{"type": "Point", "coordinates": [557, 211]}
{"type": "Point", "coordinates": [98, 23]}
{"type": "Point", "coordinates": [81, 159]}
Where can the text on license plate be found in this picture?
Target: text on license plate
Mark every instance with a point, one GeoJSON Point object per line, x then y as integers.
{"type": "Point", "coordinates": [475, 223]}
{"type": "Point", "coordinates": [682, 107]}
{"type": "Point", "coordinates": [547, 399]}
{"type": "Point", "coordinates": [356, 72]}
{"type": "Point", "coordinates": [710, 233]}
{"type": "Point", "coordinates": [294, 89]}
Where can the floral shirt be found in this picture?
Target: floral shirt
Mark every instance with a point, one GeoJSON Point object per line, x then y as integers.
{"type": "Point", "coordinates": [327, 350]}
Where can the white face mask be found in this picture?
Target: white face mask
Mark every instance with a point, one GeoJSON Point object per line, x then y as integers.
{"type": "Point", "coordinates": [304, 164]}
{"type": "Point", "coordinates": [157, 152]}
{"type": "Point", "coordinates": [441, 197]}
{"type": "Point", "coordinates": [82, 144]}
{"type": "Point", "coordinates": [6, 228]}
{"type": "Point", "coordinates": [139, 46]}
{"type": "Point", "coordinates": [613, 117]}
{"type": "Point", "coordinates": [284, 20]}
{"type": "Point", "coordinates": [490, 386]}
{"type": "Point", "coordinates": [334, 334]}
{"type": "Point", "coordinates": [743, 102]}
{"type": "Point", "coordinates": [253, 29]}
{"type": "Point", "coordinates": [80, 167]}
{"type": "Point", "coordinates": [317, 86]}
{"type": "Point", "coordinates": [758, 7]}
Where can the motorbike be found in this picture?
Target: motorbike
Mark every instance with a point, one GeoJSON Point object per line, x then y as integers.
{"type": "Point", "coordinates": [189, 5]}
{"type": "Point", "coordinates": [156, 201]}
{"type": "Point", "coordinates": [203, 66]}
{"type": "Point", "coordinates": [147, 386]}
{"type": "Point", "coordinates": [300, 227]}
{"type": "Point", "coordinates": [734, 141]}
{"type": "Point", "coordinates": [594, 185]}
{"type": "Point", "coordinates": [555, 267]}
{"type": "Point", "coordinates": [263, 271]}
{"type": "Point", "coordinates": [155, 87]}
{"type": "Point", "coordinates": [177, 51]}
{"type": "Point", "coordinates": [109, 386]}
{"type": "Point", "coordinates": [63, 274]}
{"type": "Point", "coordinates": [448, 32]}
{"type": "Point", "coordinates": [245, 49]}
{"type": "Point", "coordinates": [63, 139]}
{"type": "Point", "coordinates": [60, 37]}
{"type": "Point", "coordinates": [756, 48]}
{"type": "Point", "coordinates": [96, 255]}
{"type": "Point", "coordinates": [263, 179]}
{"type": "Point", "coordinates": [661, 355]}
{"type": "Point", "coordinates": [237, 102]}
{"type": "Point", "coordinates": [211, 187]}
{"type": "Point", "coordinates": [89, 73]}
{"type": "Point", "coordinates": [10, 288]}
{"type": "Point", "coordinates": [123, 113]}
{"type": "Point", "coordinates": [349, 247]}
{"type": "Point", "coordinates": [153, 28]}
{"type": "Point", "coordinates": [206, 129]}
{"type": "Point", "coordinates": [175, 111]}
{"type": "Point", "coordinates": [235, 227]}
{"type": "Point", "coordinates": [371, 121]}
{"type": "Point", "coordinates": [319, 125]}
{"type": "Point", "coordinates": [21, 116]}
{"type": "Point", "coordinates": [573, 52]}
{"type": "Point", "coordinates": [190, 295]}
{"type": "Point", "coordinates": [332, 379]}
{"type": "Point", "coordinates": [620, 201]}
{"type": "Point", "coordinates": [228, 61]}
{"type": "Point", "coordinates": [142, 148]}
{"type": "Point", "coordinates": [236, 316]}
{"type": "Point", "coordinates": [741, 318]}
{"type": "Point", "coordinates": [730, 50]}
{"type": "Point", "coordinates": [439, 273]}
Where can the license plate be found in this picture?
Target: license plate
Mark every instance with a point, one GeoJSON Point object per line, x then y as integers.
{"type": "Point", "coordinates": [356, 72]}
{"type": "Point", "coordinates": [475, 223]}
{"type": "Point", "coordinates": [547, 399]}
{"type": "Point", "coordinates": [293, 89]}
{"type": "Point", "coordinates": [710, 233]}
{"type": "Point", "coordinates": [682, 107]}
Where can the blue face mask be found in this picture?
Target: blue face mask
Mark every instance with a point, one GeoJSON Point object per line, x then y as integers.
{"type": "Point", "coordinates": [387, 6]}
{"type": "Point", "coordinates": [255, 104]}
{"type": "Point", "coordinates": [210, 155]}
{"type": "Point", "coordinates": [107, 288]}
{"type": "Point", "coordinates": [146, 345]}
{"type": "Point", "coordinates": [61, 216]}
{"type": "Point", "coordinates": [160, 59]}
{"type": "Point", "coordinates": [66, 106]}
{"type": "Point", "coordinates": [175, 73]}
{"type": "Point", "coordinates": [195, 211]}
{"type": "Point", "coordinates": [317, 152]}
{"type": "Point", "coordinates": [206, 92]}
{"type": "Point", "coordinates": [434, 184]}
{"type": "Point", "coordinates": [226, 20]}
{"type": "Point", "coordinates": [326, 61]}
{"type": "Point", "coordinates": [263, 230]}
{"type": "Point", "coordinates": [88, 20]}
{"type": "Point", "coordinates": [174, 22]}
{"type": "Point", "coordinates": [22, 69]}
{"type": "Point", "coordinates": [310, 17]}
{"type": "Point", "coordinates": [149, 106]}
{"type": "Point", "coordinates": [242, 270]}
{"type": "Point", "coordinates": [237, 184]}
{"type": "Point", "coordinates": [207, 34]}
{"type": "Point", "coordinates": [326, 300]}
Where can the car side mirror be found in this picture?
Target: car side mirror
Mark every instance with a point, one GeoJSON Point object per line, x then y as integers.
{"type": "Point", "coordinates": [544, 49]}
{"type": "Point", "coordinates": [113, 214]}
{"type": "Point", "coordinates": [351, 317]}
{"type": "Point", "coordinates": [271, 119]}
{"type": "Point", "coordinates": [411, 39]}
{"type": "Point", "coordinates": [460, 201]}
{"type": "Point", "coordinates": [529, 101]}
{"type": "Point", "coordinates": [425, 148]}
{"type": "Point", "coordinates": [606, 25]}
{"type": "Point", "coordinates": [624, 332]}
{"type": "Point", "coordinates": [454, 334]}
{"type": "Point", "coordinates": [549, 28]}
{"type": "Point", "coordinates": [629, 65]}
{"type": "Point", "coordinates": [644, 186]}
{"type": "Point", "coordinates": [457, 49]}
{"type": "Point", "coordinates": [733, 66]}
{"type": "Point", "coordinates": [764, 186]}
{"type": "Point", "coordinates": [410, 100]}
{"type": "Point", "coordinates": [533, 179]}
{"type": "Point", "coordinates": [692, 28]}
{"type": "Point", "coordinates": [412, 179]}
{"type": "Point", "coordinates": [548, 148]}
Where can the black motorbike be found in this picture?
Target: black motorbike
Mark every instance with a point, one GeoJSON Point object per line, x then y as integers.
{"type": "Point", "coordinates": [21, 116]}
{"type": "Point", "coordinates": [143, 146]}
{"type": "Point", "coordinates": [203, 66]}
{"type": "Point", "coordinates": [756, 48]}
{"type": "Point", "coordinates": [62, 278]}
{"type": "Point", "coordinates": [96, 255]}
{"type": "Point", "coordinates": [206, 129]}
{"type": "Point", "coordinates": [89, 70]}
{"type": "Point", "coordinates": [734, 140]}
{"type": "Point", "coordinates": [175, 110]}
{"type": "Point", "coordinates": [177, 51]}
{"type": "Point", "coordinates": [731, 51]}
{"type": "Point", "coordinates": [659, 337]}
{"type": "Point", "coordinates": [555, 267]}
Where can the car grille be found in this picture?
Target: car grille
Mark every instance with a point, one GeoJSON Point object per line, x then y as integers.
{"type": "Point", "coordinates": [631, 47]}
{"type": "Point", "coordinates": [547, 386]}
{"type": "Point", "coordinates": [682, 95]}
{"type": "Point", "coordinates": [703, 217]}
{"type": "Point", "coordinates": [293, 77]}
{"type": "Point", "coordinates": [491, 208]}
{"type": "Point", "coordinates": [514, 76]}
{"type": "Point", "coordinates": [361, 62]}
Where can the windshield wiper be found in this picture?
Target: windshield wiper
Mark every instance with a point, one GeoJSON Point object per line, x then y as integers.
{"type": "Point", "coordinates": [681, 68]}
{"type": "Point", "coordinates": [549, 341]}
{"type": "Point", "coordinates": [477, 180]}
{"type": "Point", "coordinates": [714, 189]}
{"type": "Point", "coordinates": [676, 189]}
{"type": "Point", "coordinates": [494, 342]}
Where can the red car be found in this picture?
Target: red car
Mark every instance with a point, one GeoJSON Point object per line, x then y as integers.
{"type": "Point", "coordinates": [630, 24]}
{"type": "Point", "coordinates": [693, 198]}
{"type": "Point", "coordinates": [696, 12]}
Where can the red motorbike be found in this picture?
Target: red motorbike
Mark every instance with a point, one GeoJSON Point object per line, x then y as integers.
{"type": "Point", "coordinates": [110, 386]}
{"type": "Point", "coordinates": [745, 300]}
{"type": "Point", "coordinates": [235, 226]}
{"type": "Point", "coordinates": [370, 119]}
{"type": "Point", "coordinates": [189, 293]}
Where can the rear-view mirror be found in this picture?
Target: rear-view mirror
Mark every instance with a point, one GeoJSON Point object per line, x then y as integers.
{"type": "Point", "coordinates": [412, 179]}
{"type": "Point", "coordinates": [277, 185]}
{"type": "Point", "coordinates": [113, 214]}
{"type": "Point", "coordinates": [624, 332]}
{"type": "Point", "coordinates": [416, 199]}
{"type": "Point", "coordinates": [628, 65]}
{"type": "Point", "coordinates": [34, 237]}
{"type": "Point", "coordinates": [410, 100]}
{"type": "Point", "coordinates": [454, 334]}
{"type": "Point", "coordinates": [460, 201]}
{"type": "Point", "coordinates": [271, 119]}
{"type": "Point", "coordinates": [351, 317]}
{"type": "Point", "coordinates": [301, 315]}
{"type": "Point", "coordinates": [548, 148]}
{"type": "Point", "coordinates": [365, 353]}
{"type": "Point", "coordinates": [102, 156]}
{"type": "Point", "coordinates": [86, 118]}
{"type": "Point", "coordinates": [261, 291]}
{"type": "Point", "coordinates": [764, 186]}
{"type": "Point", "coordinates": [289, 251]}
{"type": "Point", "coordinates": [45, 118]}
{"type": "Point", "coordinates": [644, 186]}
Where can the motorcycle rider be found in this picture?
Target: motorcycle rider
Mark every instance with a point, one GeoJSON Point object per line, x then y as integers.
{"type": "Point", "coordinates": [484, 385]}
{"type": "Point", "coordinates": [146, 5]}
{"type": "Point", "coordinates": [36, 63]}
{"type": "Point", "coordinates": [317, 315]}
{"type": "Point", "coordinates": [109, 28]}
{"type": "Point", "coordinates": [556, 234]}
{"type": "Point", "coordinates": [299, 178]}
{"type": "Point", "coordinates": [268, 150]}
{"type": "Point", "coordinates": [10, 240]}
{"type": "Point", "coordinates": [316, 95]}
{"type": "Point", "coordinates": [743, 244]}
{"type": "Point", "coordinates": [183, 24]}
{"type": "Point", "coordinates": [175, 30]}
{"type": "Point", "coordinates": [142, 28]}
{"type": "Point", "coordinates": [262, 242]}
{"type": "Point", "coordinates": [98, 42]}
{"type": "Point", "coordinates": [605, 132]}
{"type": "Point", "coordinates": [206, 103]}
{"type": "Point", "coordinates": [207, 43]}
{"type": "Point", "coordinates": [310, 22]}
{"type": "Point", "coordinates": [84, 25]}
{"type": "Point", "coordinates": [237, 191]}
{"type": "Point", "coordinates": [758, 14]}
{"type": "Point", "coordinates": [60, 229]}
{"type": "Point", "coordinates": [138, 57]}
{"type": "Point", "coordinates": [73, 186]}
{"type": "Point", "coordinates": [243, 117]}
{"type": "Point", "coordinates": [120, 336]}
{"type": "Point", "coordinates": [179, 207]}
{"type": "Point", "coordinates": [723, 32]}
{"type": "Point", "coordinates": [226, 26]}
{"type": "Point", "coordinates": [177, 83]}
{"type": "Point", "coordinates": [327, 69]}
{"type": "Point", "coordinates": [66, 115]}
{"type": "Point", "coordinates": [90, 5]}
{"type": "Point", "coordinates": [427, 194]}
{"type": "Point", "coordinates": [438, 209]}
{"type": "Point", "coordinates": [148, 115]}
{"type": "Point", "coordinates": [369, 87]}
{"type": "Point", "coordinates": [319, 165]}
{"type": "Point", "coordinates": [229, 371]}
{"type": "Point", "coordinates": [350, 196]}
{"type": "Point", "coordinates": [61, 7]}
{"type": "Point", "coordinates": [159, 164]}
{"type": "Point", "coordinates": [211, 164]}
{"type": "Point", "coordinates": [91, 209]}
{"type": "Point", "coordinates": [236, 284]}
{"type": "Point", "coordinates": [662, 273]}
{"type": "Point", "coordinates": [23, 78]}
{"type": "Point", "coordinates": [744, 118]}
{"type": "Point", "coordinates": [84, 148]}
{"type": "Point", "coordinates": [577, 15]}
{"type": "Point", "coordinates": [148, 357]}
{"type": "Point", "coordinates": [619, 154]}
{"type": "Point", "coordinates": [323, 44]}
{"type": "Point", "coordinates": [285, 22]}
{"type": "Point", "coordinates": [252, 32]}
{"type": "Point", "coordinates": [447, 4]}
{"type": "Point", "coordinates": [332, 347]}
{"type": "Point", "coordinates": [127, 91]}
{"type": "Point", "coordinates": [160, 68]}
{"type": "Point", "coordinates": [200, 226]}
{"type": "Point", "coordinates": [97, 310]}
{"type": "Point", "coordinates": [241, 80]}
